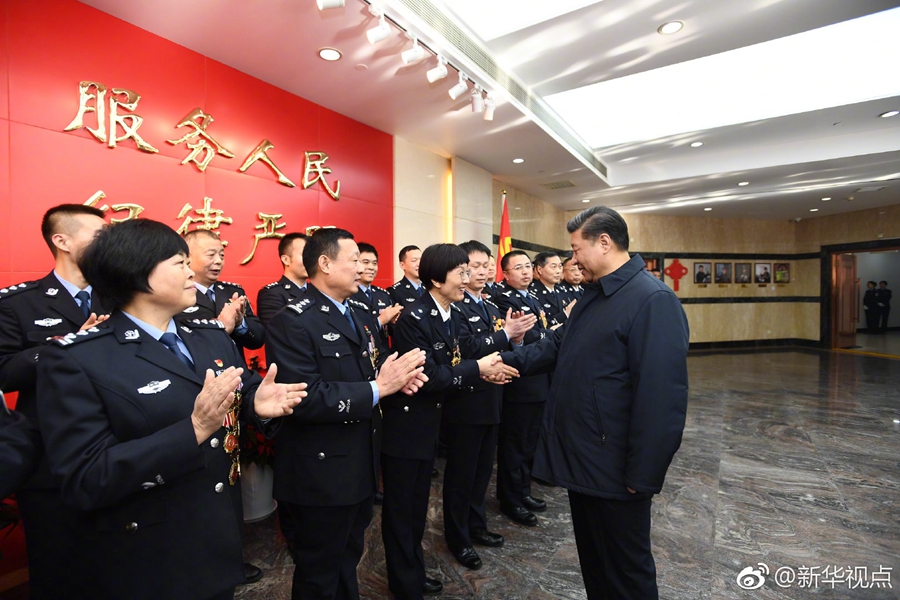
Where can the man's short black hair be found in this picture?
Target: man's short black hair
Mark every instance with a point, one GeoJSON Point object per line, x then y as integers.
{"type": "Point", "coordinates": [366, 247]}
{"type": "Point", "coordinates": [873, 283]}
{"type": "Point", "coordinates": [475, 246]}
{"type": "Point", "coordinates": [884, 282]}
{"type": "Point", "coordinates": [323, 242]}
{"type": "Point", "coordinates": [504, 262]}
{"type": "Point", "coordinates": [542, 257]}
{"type": "Point", "coordinates": [284, 246]}
{"type": "Point", "coordinates": [55, 218]}
{"type": "Point", "coordinates": [406, 249]}
{"type": "Point", "coordinates": [119, 261]}
{"type": "Point", "coordinates": [438, 260]}
{"type": "Point", "coordinates": [566, 261]}
{"type": "Point", "coordinates": [597, 220]}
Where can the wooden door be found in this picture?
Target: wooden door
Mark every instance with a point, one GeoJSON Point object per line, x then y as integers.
{"type": "Point", "coordinates": [845, 303]}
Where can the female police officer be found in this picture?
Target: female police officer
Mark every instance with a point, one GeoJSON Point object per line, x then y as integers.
{"type": "Point", "coordinates": [142, 418]}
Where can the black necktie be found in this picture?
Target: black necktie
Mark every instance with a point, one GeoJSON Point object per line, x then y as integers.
{"type": "Point", "coordinates": [85, 298]}
{"type": "Point", "coordinates": [369, 295]}
{"type": "Point", "coordinates": [211, 295]}
{"type": "Point", "coordinates": [447, 327]}
{"type": "Point", "coordinates": [419, 290]}
{"type": "Point", "coordinates": [170, 341]}
{"type": "Point", "coordinates": [349, 318]}
{"type": "Point", "coordinates": [483, 308]}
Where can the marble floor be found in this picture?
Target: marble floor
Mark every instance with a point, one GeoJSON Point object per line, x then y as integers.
{"type": "Point", "coordinates": [789, 458]}
{"type": "Point", "coordinates": [886, 343]}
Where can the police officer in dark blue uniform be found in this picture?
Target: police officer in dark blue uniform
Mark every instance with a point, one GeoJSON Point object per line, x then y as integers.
{"type": "Point", "coordinates": [471, 419]}
{"type": "Point", "coordinates": [377, 300]}
{"type": "Point", "coordinates": [411, 424]}
{"type": "Point", "coordinates": [409, 288]}
{"type": "Point", "coordinates": [31, 314]}
{"type": "Point", "coordinates": [292, 285]}
{"type": "Point", "coordinates": [545, 287]}
{"type": "Point", "coordinates": [217, 299]}
{"type": "Point", "coordinates": [141, 417]}
{"type": "Point", "coordinates": [326, 453]}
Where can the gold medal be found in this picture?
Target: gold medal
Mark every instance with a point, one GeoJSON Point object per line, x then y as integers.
{"type": "Point", "coordinates": [232, 445]}
{"type": "Point", "coordinates": [456, 356]}
{"type": "Point", "coordinates": [544, 319]}
{"type": "Point", "coordinates": [235, 470]}
{"type": "Point", "coordinates": [373, 349]}
{"type": "Point", "coordinates": [498, 323]}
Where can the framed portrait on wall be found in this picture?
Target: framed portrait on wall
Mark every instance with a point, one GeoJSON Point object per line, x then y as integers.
{"type": "Point", "coordinates": [763, 273]}
{"type": "Point", "coordinates": [742, 273]}
{"type": "Point", "coordinates": [782, 272]}
{"type": "Point", "coordinates": [702, 272]}
{"type": "Point", "coordinates": [723, 272]}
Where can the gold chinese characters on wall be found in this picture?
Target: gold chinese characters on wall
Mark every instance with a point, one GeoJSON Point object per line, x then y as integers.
{"type": "Point", "coordinates": [202, 146]}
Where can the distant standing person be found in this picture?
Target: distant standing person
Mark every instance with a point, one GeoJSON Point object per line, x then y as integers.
{"type": "Point", "coordinates": [884, 305]}
{"type": "Point", "coordinates": [870, 305]}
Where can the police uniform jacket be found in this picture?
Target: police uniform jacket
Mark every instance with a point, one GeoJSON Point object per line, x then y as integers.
{"type": "Point", "coordinates": [616, 411]}
{"type": "Point", "coordinates": [327, 451]}
{"type": "Point", "coordinates": [31, 315]}
{"type": "Point", "coordinates": [405, 293]}
{"type": "Point", "coordinates": [116, 404]}
{"type": "Point", "coordinates": [552, 302]}
{"type": "Point", "coordinates": [411, 423]}
{"type": "Point", "coordinates": [569, 292]}
{"type": "Point", "coordinates": [380, 300]}
{"type": "Point", "coordinates": [276, 296]}
{"type": "Point", "coordinates": [20, 449]}
{"type": "Point", "coordinates": [251, 339]}
{"type": "Point", "coordinates": [477, 404]}
{"type": "Point", "coordinates": [531, 388]}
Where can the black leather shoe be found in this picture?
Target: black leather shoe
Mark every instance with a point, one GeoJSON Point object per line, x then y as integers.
{"type": "Point", "coordinates": [534, 504]}
{"type": "Point", "coordinates": [468, 558]}
{"type": "Point", "coordinates": [432, 587]}
{"type": "Point", "coordinates": [483, 537]}
{"type": "Point", "coordinates": [379, 498]}
{"type": "Point", "coordinates": [252, 573]}
{"type": "Point", "coordinates": [434, 475]}
{"type": "Point", "coordinates": [520, 515]}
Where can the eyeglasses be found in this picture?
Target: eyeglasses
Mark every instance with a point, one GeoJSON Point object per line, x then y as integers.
{"type": "Point", "coordinates": [522, 267]}
{"type": "Point", "coordinates": [464, 273]}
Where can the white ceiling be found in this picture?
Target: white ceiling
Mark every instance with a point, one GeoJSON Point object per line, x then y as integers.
{"type": "Point", "coordinates": [789, 160]}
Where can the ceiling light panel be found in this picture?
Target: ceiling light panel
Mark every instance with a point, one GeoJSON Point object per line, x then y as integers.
{"type": "Point", "coordinates": [836, 65]}
{"type": "Point", "coordinates": [494, 19]}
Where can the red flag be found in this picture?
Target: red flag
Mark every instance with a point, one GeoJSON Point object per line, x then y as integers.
{"type": "Point", "coordinates": [505, 243]}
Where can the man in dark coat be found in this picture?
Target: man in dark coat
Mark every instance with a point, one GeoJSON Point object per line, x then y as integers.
{"type": "Point", "coordinates": [884, 305]}
{"type": "Point", "coordinates": [326, 454]}
{"type": "Point", "coordinates": [217, 299]}
{"type": "Point", "coordinates": [378, 301]}
{"type": "Point", "coordinates": [31, 315]}
{"type": "Point", "coordinates": [292, 285]}
{"type": "Point", "coordinates": [20, 449]}
{"type": "Point", "coordinates": [871, 308]}
{"type": "Point", "coordinates": [616, 410]}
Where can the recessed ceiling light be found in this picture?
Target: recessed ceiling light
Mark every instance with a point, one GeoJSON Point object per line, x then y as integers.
{"type": "Point", "coordinates": [329, 54]}
{"type": "Point", "coordinates": [696, 144]}
{"type": "Point", "coordinates": [518, 161]}
{"type": "Point", "coordinates": [826, 199]}
{"type": "Point", "coordinates": [361, 67]}
{"type": "Point", "coordinates": [670, 27]}
{"type": "Point", "coordinates": [588, 200]}
{"type": "Point", "coordinates": [814, 210]}
{"type": "Point", "coordinates": [890, 113]}
{"type": "Point", "coordinates": [743, 183]}
{"type": "Point", "coordinates": [326, 4]}
{"type": "Point", "coordinates": [708, 208]}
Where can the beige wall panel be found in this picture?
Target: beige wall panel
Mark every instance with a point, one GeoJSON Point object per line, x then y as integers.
{"type": "Point", "coordinates": [464, 230]}
{"type": "Point", "coordinates": [417, 228]}
{"type": "Point", "coordinates": [472, 192]}
{"type": "Point", "coordinates": [420, 179]}
{"type": "Point", "coordinates": [806, 320]}
{"type": "Point", "coordinates": [530, 219]}
{"type": "Point", "coordinates": [749, 321]}
{"type": "Point", "coordinates": [805, 275]}
{"type": "Point", "coordinates": [859, 226]}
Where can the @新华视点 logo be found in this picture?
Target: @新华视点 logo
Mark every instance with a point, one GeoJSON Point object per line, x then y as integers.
{"type": "Point", "coordinates": [751, 578]}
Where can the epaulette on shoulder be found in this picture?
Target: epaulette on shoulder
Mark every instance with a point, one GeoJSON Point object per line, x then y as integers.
{"type": "Point", "coordinates": [80, 336]}
{"type": "Point", "coordinates": [378, 289]}
{"type": "Point", "coordinates": [301, 305]}
{"type": "Point", "coordinates": [396, 285]}
{"type": "Point", "coordinates": [270, 285]}
{"type": "Point", "coordinates": [15, 289]}
{"type": "Point", "coordinates": [415, 314]}
{"type": "Point", "coordinates": [486, 301]}
{"type": "Point", "coordinates": [454, 307]}
{"type": "Point", "coordinates": [235, 285]}
{"type": "Point", "coordinates": [358, 304]}
{"type": "Point", "coordinates": [204, 323]}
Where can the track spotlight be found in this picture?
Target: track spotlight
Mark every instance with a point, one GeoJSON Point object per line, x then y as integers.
{"type": "Point", "coordinates": [488, 108]}
{"type": "Point", "coordinates": [326, 4]}
{"type": "Point", "coordinates": [380, 32]}
{"type": "Point", "coordinates": [413, 54]}
{"type": "Point", "coordinates": [460, 88]}
{"type": "Point", "coordinates": [477, 100]}
{"type": "Point", "coordinates": [437, 73]}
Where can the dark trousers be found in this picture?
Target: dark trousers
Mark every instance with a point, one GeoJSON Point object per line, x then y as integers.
{"type": "Point", "coordinates": [226, 595]}
{"type": "Point", "coordinates": [53, 534]}
{"type": "Point", "coordinates": [873, 316]}
{"type": "Point", "coordinates": [407, 484]}
{"type": "Point", "coordinates": [287, 525]}
{"type": "Point", "coordinates": [613, 539]}
{"type": "Point", "coordinates": [883, 318]}
{"type": "Point", "coordinates": [470, 460]}
{"type": "Point", "coordinates": [329, 542]}
{"type": "Point", "coordinates": [520, 425]}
